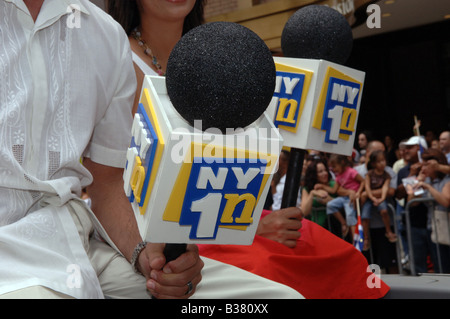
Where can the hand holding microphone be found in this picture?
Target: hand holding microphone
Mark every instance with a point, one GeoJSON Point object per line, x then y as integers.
{"type": "Point", "coordinates": [221, 75]}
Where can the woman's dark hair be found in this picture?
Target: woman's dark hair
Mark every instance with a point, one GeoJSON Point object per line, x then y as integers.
{"type": "Point", "coordinates": [368, 135]}
{"type": "Point", "coordinates": [435, 154]}
{"type": "Point", "coordinates": [373, 158]}
{"type": "Point", "coordinates": [126, 12]}
{"type": "Point", "coordinates": [311, 173]}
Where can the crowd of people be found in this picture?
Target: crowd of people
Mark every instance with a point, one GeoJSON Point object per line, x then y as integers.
{"type": "Point", "coordinates": [55, 245]}
{"type": "Point", "coordinates": [376, 183]}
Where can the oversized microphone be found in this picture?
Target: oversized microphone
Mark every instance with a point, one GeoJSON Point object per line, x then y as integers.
{"type": "Point", "coordinates": [317, 99]}
{"type": "Point", "coordinates": [204, 150]}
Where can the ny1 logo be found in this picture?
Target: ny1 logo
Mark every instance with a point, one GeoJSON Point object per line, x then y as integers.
{"type": "Point", "coordinates": [340, 110]}
{"type": "Point", "coordinates": [288, 97]}
{"type": "Point", "coordinates": [140, 158]}
{"type": "Point", "coordinates": [221, 194]}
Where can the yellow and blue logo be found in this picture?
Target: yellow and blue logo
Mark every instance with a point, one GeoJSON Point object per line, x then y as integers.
{"type": "Point", "coordinates": [215, 192]}
{"type": "Point", "coordinates": [292, 85]}
{"type": "Point", "coordinates": [337, 110]}
{"type": "Point", "coordinates": [144, 154]}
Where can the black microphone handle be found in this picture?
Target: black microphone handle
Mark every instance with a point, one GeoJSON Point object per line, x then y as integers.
{"type": "Point", "coordinates": [173, 251]}
{"type": "Point", "coordinates": [293, 177]}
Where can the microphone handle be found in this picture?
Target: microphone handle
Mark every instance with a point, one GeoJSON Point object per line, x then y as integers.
{"type": "Point", "coordinates": [293, 177]}
{"type": "Point", "coordinates": [173, 251]}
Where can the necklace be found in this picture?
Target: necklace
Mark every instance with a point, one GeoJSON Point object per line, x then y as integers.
{"type": "Point", "coordinates": [137, 35]}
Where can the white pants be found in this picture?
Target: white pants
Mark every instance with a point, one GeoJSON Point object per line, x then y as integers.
{"type": "Point", "coordinates": [119, 281]}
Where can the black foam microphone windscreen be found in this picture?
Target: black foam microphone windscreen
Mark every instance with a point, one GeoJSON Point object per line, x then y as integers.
{"type": "Point", "coordinates": [221, 73]}
{"type": "Point", "coordinates": [317, 32]}
{"type": "Point", "coordinates": [312, 32]}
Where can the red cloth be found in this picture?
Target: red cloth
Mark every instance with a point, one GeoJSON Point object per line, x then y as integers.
{"type": "Point", "coordinates": [322, 266]}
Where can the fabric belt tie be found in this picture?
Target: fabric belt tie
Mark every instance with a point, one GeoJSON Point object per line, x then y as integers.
{"type": "Point", "coordinates": [60, 191]}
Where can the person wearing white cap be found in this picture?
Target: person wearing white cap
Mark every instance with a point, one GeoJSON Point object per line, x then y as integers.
{"type": "Point", "coordinates": [422, 145]}
{"type": "Point", "coordinates": [413, 147]}
{"type": "Point", "coordinates": [417, 140]}
{"type": "Point", "coordinates": [418, 213]}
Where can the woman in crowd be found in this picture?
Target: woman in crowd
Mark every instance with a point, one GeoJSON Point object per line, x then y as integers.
{"type": "Point", "coordinates": [363, 140]}
{"type": "Point", "coordinates": [314, 200]}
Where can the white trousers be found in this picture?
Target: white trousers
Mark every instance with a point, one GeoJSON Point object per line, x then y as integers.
{"type": "Point", "coordinates": [119, 281]}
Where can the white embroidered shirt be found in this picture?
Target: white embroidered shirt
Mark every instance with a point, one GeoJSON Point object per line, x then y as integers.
{"type": "Point", "coordinates": [66, 90]}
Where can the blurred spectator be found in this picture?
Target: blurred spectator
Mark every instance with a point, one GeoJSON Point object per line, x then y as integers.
{"type": "Point", "coordinates": [421, 242]}
{"type": "Point", "coordinates": [391, 150]}
{"type": "Point", "coordinates": [377, 182]}
{"type": "Point", "coordinates": [435, 144]}
{"type": "Point", "coordinates": [437, 185]}
{"type": "Point", "coordinates": [444, 143]}
{"type": "Point", "coordinates": [430, 137]}
{"type": "Point", "coordinates": [349, 185]}
{"type": "Point", "coordinates": [400, 163]}
{"type": "Point", "coordinates": [314, 201]}
{"type": "Point", "coordinates": [363, 140]}
{"type": "Point", "coordinates": [382, 252]}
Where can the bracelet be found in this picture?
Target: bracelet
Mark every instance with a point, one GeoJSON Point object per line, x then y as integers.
{"type": "Point", "coordinates": [137, 251]}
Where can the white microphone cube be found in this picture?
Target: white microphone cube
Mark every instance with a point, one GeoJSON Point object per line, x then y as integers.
{"type": "Point", "coordinates": [316, 104]}
{"type": "Point", "coordinates": [192, 186]}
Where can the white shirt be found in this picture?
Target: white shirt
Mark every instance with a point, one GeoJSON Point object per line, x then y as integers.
{"type": "Point", "coordinates": [278, 196]}
{"type": "Point", "coordinates": [66, 91]}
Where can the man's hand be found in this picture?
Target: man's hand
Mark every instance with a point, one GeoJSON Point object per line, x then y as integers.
{"type": "Point", "coordinates": [282, 226]}
{"type": "Point", "coordinates": [114, 211]}
{"type": "Point", "coordinates": [171, 280]}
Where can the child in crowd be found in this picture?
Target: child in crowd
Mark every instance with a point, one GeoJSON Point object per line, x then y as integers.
{"type": "Point", "coordinates": [349, 185]}
{"type": "Point", "coordinates": [376, 178]}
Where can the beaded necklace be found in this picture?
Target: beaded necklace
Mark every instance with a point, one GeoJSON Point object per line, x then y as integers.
{"type": "Point", "coordinates": [137, 35]}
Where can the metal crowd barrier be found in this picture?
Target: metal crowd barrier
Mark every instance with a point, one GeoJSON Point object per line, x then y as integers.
{"type": "Point", "coordinates": [395, 218]}
{"type": "Point", "coordinates": [398, 243]}
{"type": "Point", "coordinates": [429, 200]}
{"type": "Point", "coordinates": [398, 249]}
{"type": "Point", "coordinates": [413, 286]}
